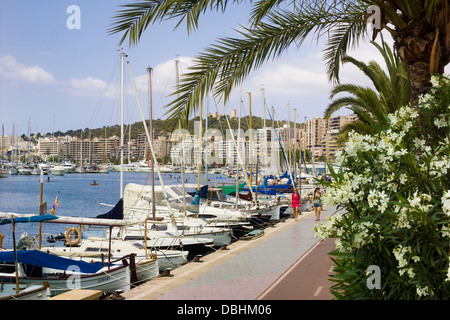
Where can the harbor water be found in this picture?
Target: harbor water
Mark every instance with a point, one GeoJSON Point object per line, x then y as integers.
{"type": "Point", "coordinates": [76, 196]}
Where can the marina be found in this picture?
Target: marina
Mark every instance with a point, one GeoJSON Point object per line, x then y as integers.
{"type": "Point", "coordinates": [80, 202]}
{"type": "Point", "coordinates": [194, 213]}
{"type": "Point", "coordinates": [237, 166]}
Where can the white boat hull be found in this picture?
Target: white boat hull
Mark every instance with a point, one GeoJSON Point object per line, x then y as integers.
{"type": "Point", "coordinates": [104, 280]}
{"type": "Point", "coordinates": [24, 172]}
{"type": "Point", "coordinates": [35, 292]}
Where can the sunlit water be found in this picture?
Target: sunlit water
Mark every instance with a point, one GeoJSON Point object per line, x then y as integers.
{"type": "Point", "coordinates": [77, 197]}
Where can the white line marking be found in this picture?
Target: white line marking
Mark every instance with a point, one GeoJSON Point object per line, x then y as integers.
{"type": "Point", "coordinates": [319, 289]}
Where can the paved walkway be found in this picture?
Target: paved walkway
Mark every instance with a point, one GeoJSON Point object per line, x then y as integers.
{"type": "Point", "coordinates": [244, 272]}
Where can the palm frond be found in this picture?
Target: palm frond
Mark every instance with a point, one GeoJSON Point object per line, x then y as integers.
{"type": "Point", "coordinates": [261, 9]}
{"type": "Point", "coordinates": [134, 18]}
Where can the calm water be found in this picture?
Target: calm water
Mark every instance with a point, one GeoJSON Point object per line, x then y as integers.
{"type": "Point", "coordinates": [20, 194]}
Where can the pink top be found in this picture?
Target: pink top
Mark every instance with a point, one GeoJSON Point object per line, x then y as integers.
{"type": "Point", "coordinates": [295, 200]}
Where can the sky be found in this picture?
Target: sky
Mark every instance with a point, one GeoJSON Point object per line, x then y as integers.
{"type": "Point", "coordinates": [56, 77]}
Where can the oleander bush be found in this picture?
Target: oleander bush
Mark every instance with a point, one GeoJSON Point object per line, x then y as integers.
{"type": "Point", "coordinates": [392, 234]}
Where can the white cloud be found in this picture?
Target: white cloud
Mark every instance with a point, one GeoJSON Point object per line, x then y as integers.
{"type": "Point", "coordinates": [294, 77]}
{"type": "Point", "coordinates": [11, 69]}
{"type": "Point", "coordinates": [164, 74]}
{"type": "Point", "coordinates": [90, 87]}
{"type": "Point", "coordinates": [163, 82]}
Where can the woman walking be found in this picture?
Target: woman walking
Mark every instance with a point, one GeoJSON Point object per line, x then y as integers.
{"type": "Point", "coordinates": [295, 203]}
{"type": "Point", "coordinates": [317, 203]}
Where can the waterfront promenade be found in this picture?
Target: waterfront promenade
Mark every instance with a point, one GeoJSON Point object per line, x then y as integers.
{"type": "Point", "coordinates": [287, 263]}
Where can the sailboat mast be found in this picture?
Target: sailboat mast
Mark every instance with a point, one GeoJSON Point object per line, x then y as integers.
{"type": "Point", "coordinates": [122, 97]}
{"type": "Point", "coordinates": [199, 156]}
{"type": "Point", "coordinates": [151, 138]}
{"type": "Point", "coordinates": [177, 75]}
{"type": "Point", "coordinates": [206, 141]}
{"type": "Point", "coordinates": [250, 154]}
{"type": "Point", "coordinates": [295, 145]}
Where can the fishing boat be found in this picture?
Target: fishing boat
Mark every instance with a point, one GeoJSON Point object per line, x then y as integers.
{"type": "Point", "coordinates": [146, 267]}
{"type": "Point", "coordinates": [26, 268]}
{"type": "Point", "coordinates": [35, 292]}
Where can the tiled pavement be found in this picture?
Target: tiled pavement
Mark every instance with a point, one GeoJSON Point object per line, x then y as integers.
{"type": "Point", "coordinates": [243, 272]}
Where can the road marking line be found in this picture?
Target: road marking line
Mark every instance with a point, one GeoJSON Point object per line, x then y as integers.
{"type": "Point", "coordinates": [319, 289]}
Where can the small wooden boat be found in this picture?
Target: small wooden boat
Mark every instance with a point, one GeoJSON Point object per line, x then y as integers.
{"type": "Point", "coordinates": [62, 274]}
{"type": "Point", "coordinates": [36, 292]}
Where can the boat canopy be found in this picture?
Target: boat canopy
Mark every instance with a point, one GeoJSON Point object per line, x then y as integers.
{"type": "Point", "coordinates": [26, 219]}
{"type": "Point", "coordinates": [42, 259]}
{"type": "Point", "coordinates": [232, 188]}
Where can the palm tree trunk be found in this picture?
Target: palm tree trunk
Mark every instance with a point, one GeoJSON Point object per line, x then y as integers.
{"type": "Point", "coordinates": [420, 80]}
{"type": "Point", "coordinates": [420, 76]}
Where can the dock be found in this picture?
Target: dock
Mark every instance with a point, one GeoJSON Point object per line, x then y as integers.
{"type": "Point", "coordinates": [253, 269]}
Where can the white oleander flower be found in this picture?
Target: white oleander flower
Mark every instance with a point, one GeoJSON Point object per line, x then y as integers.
{"type": "Point", "coordinates": [423, 291]}
{"type": "Point", "coordinates": [445, 231]}
{"type": "Point", "coordinates": [402, 218]}
{"type": "Point", "coordinates": [399, 254]}
{"type": "Point", "coordinates": [417, 201]}
{"type": "Point", "coordinates": [446, 202]}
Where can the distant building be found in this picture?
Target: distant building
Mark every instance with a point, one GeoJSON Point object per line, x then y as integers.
{"type": "Point", "coordinates": [322, 135]}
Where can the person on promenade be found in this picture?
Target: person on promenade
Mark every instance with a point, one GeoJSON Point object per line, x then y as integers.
{"type": "Point", "coordinates": [317, 203]}
{"type": "Point", "coordinates": [295, 201]}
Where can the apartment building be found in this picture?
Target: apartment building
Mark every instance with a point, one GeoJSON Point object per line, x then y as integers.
{"type": "Point", "coordinates": [322, 135]}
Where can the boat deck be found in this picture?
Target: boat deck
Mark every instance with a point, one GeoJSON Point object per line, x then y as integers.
{"type": "Point", "coordinates": [248, 270]}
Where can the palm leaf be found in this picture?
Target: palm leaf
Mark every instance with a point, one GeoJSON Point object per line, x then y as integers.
{"type": "Point", "coordinates": [136, 17]}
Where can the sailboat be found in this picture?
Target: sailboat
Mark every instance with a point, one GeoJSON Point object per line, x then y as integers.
{"type": "Point", "coordinates": [22, 269]}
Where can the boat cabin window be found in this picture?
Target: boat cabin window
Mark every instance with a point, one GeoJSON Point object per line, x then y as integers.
{"type": "Point", "coordinates": [134, 238]}
{"type": "Point", "coordinates": [203, 216]}
{"type": "Point", "coordinates": [93, 249]}
{"type": "Point", "coordinates": [216, 194]}
{"type": "Point", "coordinates": [138, 245]}
{"type": "Point", "coordinates": [159, 227]}
{"type": "Point", "coordinates": [7, 268]}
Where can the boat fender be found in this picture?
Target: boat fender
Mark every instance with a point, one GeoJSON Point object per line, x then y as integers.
{"type": "Point", "coordinates": [69, 238]}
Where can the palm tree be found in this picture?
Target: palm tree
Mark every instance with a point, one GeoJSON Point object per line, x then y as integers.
{"type": "Point", "coordinates": [392, 91]}
{"type": "Point", "coordinates": [420, 30]}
